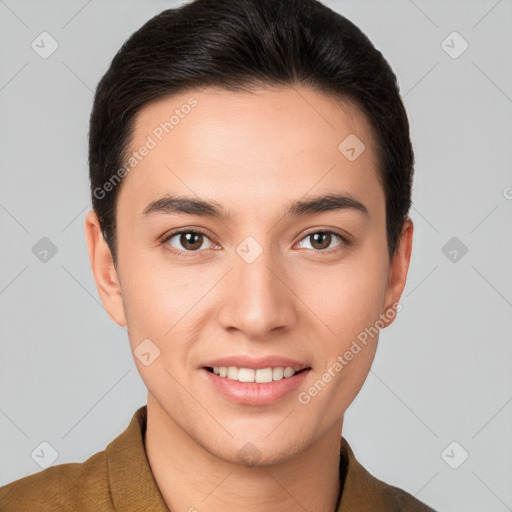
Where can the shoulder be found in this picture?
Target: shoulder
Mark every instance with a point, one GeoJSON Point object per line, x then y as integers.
{"type": "Point", "coordinates": [73, 486]}
{"type": "Point", "coordinates": [401, 500]}
{"type": "Point", "coordinates": [363, 492]}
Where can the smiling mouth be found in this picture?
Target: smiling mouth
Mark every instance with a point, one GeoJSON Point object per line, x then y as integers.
{"type": "Point", "coordinates": [260, 375]}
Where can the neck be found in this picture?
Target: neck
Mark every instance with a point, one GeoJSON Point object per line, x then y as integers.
{"type": "Point", "coordinates": [192, 479]}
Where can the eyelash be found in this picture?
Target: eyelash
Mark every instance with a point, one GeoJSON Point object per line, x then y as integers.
{"type": "Point", "coordinates": [345, 242]}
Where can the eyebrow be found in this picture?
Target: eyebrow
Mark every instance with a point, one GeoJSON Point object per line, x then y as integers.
{"type": "Point", "coordinates": [177, 205]}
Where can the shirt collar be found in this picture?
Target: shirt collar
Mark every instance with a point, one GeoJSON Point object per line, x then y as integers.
{"type": "Point", "coordinates": [132, 484]}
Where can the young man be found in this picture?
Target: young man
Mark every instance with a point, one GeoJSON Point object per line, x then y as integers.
{"type": "Point", "coordinates": [251, 173]}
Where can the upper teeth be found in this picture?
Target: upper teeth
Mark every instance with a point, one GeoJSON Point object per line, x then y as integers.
{"type": "Point", "coordinates": [261, 375]}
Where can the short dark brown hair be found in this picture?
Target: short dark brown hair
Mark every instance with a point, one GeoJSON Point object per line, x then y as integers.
{"type": "Point", "coordinates": [237, 45]}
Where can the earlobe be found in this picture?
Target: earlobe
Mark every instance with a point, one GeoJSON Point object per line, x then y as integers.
{"type": "Point", "coordinates": [104, 271]}
{"type": "Point", "coordinates": [398, 271]}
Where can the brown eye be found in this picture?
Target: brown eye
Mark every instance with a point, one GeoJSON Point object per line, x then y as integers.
{"type": "Point", "coordinates": [320, 240]}
{"type": "Point", "coordinates": [323, 240]}
{"type": "Point", "coordinates": [191, 241]}
{"type": "Point", "coordinates": [188, 241]}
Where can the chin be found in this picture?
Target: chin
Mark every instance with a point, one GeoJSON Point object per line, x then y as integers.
{"type": "Point", "coordinates": [260, 451]}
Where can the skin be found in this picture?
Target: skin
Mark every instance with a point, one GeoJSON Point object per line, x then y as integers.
{"type": "Point", "coordinates": [252, 152]}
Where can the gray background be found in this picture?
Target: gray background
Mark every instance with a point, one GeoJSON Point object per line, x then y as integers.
{"type": "Point", "coordinates": [442, 372]}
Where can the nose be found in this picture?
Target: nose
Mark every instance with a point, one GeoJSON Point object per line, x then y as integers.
{"type": "Point", "coordinates": [257, 298]}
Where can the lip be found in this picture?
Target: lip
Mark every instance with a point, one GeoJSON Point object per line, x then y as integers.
{"type": "Point", "coordinates": [254, 393]}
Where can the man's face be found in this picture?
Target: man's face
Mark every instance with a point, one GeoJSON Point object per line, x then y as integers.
{"type": "Point", "coordinates": [261, 287]}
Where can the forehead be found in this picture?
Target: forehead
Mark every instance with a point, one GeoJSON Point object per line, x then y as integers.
{"type": "Point", "coordinates": [249, 148]}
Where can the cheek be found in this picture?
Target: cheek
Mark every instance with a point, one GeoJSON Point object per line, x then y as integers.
{"type": "Point", "coordinates": [345, 353]}
{"type": "Point", "coordinates": [346, 298]}
{"type": "Point", "coordinates": [163, 303]}
{"type": "Point", "coordinates": [143, 298]}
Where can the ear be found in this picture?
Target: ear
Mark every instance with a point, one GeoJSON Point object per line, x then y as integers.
{"type": "Point", "coordinates": [398, 270]}
{"type": "Point", "coordinates": [104, 271]}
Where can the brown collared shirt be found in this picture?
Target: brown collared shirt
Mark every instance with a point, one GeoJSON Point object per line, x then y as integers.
{"type": "Point", "coordinates": [120, 479]}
